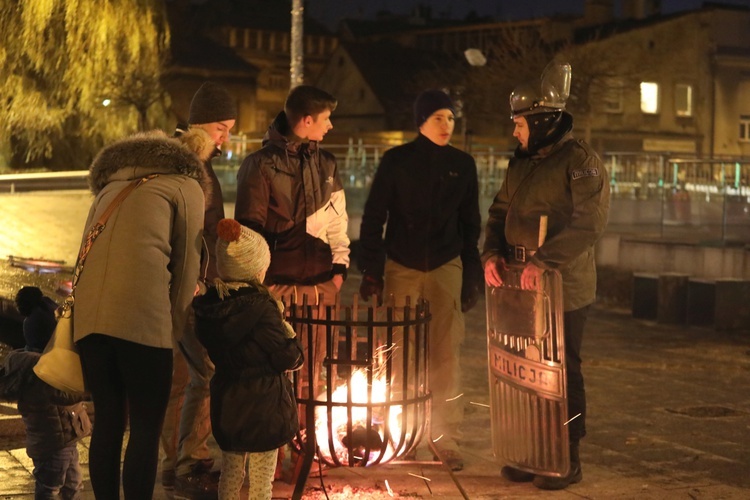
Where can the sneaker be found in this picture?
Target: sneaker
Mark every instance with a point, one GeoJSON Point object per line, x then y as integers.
{"type": "Point", "coordinates": [452, 459]}
{"type": "Point", "coordinates": [516, 475]}
{"type": "Point", "coordinates": [201, 483]}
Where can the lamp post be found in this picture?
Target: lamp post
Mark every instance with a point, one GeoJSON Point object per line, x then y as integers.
{"type": "Point", "coordinates": [476, 59]}
{"type": "Point", "coordinates": [297, 47]}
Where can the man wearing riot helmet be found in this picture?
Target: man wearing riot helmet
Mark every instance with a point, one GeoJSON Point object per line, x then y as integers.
{"type": "Point", "coordinates": [554, 175]}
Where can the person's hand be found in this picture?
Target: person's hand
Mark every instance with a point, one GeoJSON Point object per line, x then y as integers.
{"type": "Point", "coordinates": [371, 285]}
{"type": "Point", "coordinates": [492, 270]}
{"type": "Point", "coordinates": [338, 281]}
{"type": "Point", "coordinates": [469, 296]}
{"type": "Point", "coordinates": [531, 277]}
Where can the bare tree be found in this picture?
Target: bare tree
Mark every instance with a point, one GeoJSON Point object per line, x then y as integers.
{"type": "Point", "coordinates": [520, 53]}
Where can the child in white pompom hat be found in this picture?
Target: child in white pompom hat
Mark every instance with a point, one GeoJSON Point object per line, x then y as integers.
{"type": "Point", "coordinates": [242, 326]}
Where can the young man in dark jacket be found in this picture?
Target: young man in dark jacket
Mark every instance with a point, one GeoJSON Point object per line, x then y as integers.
{"type": "Point", "coordinates": [54, 421]}
{"type": "Point", "coordinates": [555, 175]}
{"type": "Point", "coordinates": [427, 192]}
{"type": "Point", "coordinates": [290, 192]}
{"type": "Point", "coordinates": [187, 464]}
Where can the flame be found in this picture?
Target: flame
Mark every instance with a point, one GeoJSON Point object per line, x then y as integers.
{"type": "Point", "coordinates": [361, 440]}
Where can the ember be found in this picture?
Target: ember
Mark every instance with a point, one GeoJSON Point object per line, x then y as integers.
{"type": "Point", "coordinates": [363, 437]}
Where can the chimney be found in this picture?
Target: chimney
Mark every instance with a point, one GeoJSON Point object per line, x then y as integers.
{"type": "Point", "coordinates": [598, 12]}
{"type": "Point", "coordinates": [640, 9]}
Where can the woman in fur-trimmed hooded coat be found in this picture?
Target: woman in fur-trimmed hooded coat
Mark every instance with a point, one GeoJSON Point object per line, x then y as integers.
{"type": "Point", "coordinates": [132, 297]}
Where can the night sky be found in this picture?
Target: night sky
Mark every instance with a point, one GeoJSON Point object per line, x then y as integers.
{"type": "Point", "coordinates": [331, 11]}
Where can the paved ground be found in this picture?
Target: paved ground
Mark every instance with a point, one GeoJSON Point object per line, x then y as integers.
{"type": "Point", "coordinates": [669, 418]}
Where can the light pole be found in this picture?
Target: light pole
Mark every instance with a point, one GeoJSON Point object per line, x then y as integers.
{"type": "Point", "coordinates": [297, 46]}
{"type": "Point", "coordinates": [476, 59]}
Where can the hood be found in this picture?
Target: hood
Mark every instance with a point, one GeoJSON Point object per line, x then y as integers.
{"type": "Point", "coordinates": [240, 302]}
{"type": "Point", "coordinates": [279, 134]}
{"type": "Point", "coordinates": [543, 146]}
{"type": "Point", "coordinates": [151, 153]}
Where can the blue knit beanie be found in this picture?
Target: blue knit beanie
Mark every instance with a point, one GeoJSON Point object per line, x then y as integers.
{"type": "Point", "coordinates": [428, 102]}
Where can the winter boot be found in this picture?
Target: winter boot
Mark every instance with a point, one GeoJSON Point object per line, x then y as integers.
{"type": "Point", "coordinates": [559, 483]}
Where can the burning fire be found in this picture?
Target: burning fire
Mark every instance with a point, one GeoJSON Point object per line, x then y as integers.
{"type": "Point", "coordinates": [375, 440]}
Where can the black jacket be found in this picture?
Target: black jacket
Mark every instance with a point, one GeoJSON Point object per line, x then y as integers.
{"type": "Point", "coordinates": [53, 419]}
{"type": "Point", "coordinates": [214, 213]}
{"type": "Point", "coordinates": [252, 403]}
{"type": "Point", "coordinates": [428, 195]}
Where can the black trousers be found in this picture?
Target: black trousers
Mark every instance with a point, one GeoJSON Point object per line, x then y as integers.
{"type": "Point", "coordinates": [129, 383]}
{"type": "Point", "coordinates": [574, 321]}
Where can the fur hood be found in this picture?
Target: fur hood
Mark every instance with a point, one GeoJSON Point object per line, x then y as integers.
{"type": "Point", "coordinates": [152, 152]}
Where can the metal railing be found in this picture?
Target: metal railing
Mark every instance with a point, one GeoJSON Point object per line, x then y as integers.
{"type": "Point", "coordinates": [651, 192]}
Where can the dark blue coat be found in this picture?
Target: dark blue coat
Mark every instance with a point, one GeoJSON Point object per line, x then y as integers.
{"type": "Point", "coordinates": [252, 402]}
{"type": "Point", "coordinates": [53, 419]}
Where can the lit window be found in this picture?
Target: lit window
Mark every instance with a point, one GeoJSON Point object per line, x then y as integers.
{"type": "Point", "coordinates": [744, 128]}
{"type": "Point", "coordinates": [683, 99]}
{"type": "Point", "coordinates": [649, 97]}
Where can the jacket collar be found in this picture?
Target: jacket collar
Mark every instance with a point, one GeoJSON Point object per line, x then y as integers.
{"type": "Point", "coordinates": [279, 133]}
{"type": "Point", "coordinates": [148, 153]}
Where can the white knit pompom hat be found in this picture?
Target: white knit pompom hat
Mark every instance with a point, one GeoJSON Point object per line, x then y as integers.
{"type": "Point", "coordinates": [241, 253]}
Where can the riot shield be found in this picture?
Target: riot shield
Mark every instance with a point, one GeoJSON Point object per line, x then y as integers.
{"type": "Point", "coordinates": [526, 360]}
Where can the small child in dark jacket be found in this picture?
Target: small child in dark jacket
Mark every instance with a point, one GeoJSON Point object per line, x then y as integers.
{"type": "Point", "coordinates": [242, 326]}
{"type": "Point", "coordinates": [54, 421]}
{"type": "Point", "coordinates": [39, 313]}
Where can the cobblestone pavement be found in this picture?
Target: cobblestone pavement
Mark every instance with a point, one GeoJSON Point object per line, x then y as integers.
{"type": "Point", "coordinates": [669, 418]}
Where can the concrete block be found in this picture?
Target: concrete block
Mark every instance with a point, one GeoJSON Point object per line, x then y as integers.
{"type": "Point", "coordinates": [645, 294]}
{"type": "Point", "coordinates": [672, 299]}
{"type": "Point", "coordinates": [731, 310]}
{"type": "Point", "coordinates": [701, 300]}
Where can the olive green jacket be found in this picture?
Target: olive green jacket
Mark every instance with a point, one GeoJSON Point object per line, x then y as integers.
{"type": "Point", "coordinates": [568, 183]}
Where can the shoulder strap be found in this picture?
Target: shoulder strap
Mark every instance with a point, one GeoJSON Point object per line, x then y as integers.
{"type": "Point", "coordinates": [99, 225]}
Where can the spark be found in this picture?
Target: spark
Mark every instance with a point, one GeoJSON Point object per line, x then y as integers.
{"type": "Point", "coordinates": [566, 423]}
{"type": "Point", "coordinates": [453, 399]}
{"type": "Point", "coordinates": [437, 438]}
{"type": "Point", "coordinates": [420, 477]}
{"type": "Point", "coordinates": [479, 404]}
{"type": "Point", "coordinates": [390, 491]}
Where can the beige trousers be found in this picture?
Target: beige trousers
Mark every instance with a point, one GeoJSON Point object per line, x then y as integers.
{"type": "Point", "coordinates": [318, 296]}
{"type": "Point", "coordinates": [442, 288]}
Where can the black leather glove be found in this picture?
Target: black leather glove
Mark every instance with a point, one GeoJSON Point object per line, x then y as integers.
{"type": "Point", "coordinates": [469, 297]}
{"type": "Point", "coordinates": [371, 286]}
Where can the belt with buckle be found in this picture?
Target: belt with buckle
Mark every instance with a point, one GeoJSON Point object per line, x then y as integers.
{"type": "Point", "coordinates": [519, 253]}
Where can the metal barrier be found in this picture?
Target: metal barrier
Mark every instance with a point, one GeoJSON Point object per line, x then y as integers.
{"type": "Point", "coordinates": [654, 193]}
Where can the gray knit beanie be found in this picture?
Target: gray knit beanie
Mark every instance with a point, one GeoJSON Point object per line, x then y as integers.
{"type": "Point", "coordinates": [241, 253]}
{"type": "Point", "coordinates": [212, 103]}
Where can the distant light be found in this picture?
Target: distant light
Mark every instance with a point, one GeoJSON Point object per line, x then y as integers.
{"type": "Point", "coordinates": [475, 57]}
{"type": "Point", "coordinates": [106, 102]}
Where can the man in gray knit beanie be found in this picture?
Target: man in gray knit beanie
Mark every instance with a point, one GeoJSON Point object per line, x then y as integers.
{"type": "Point", "coordinates": [187, 464]}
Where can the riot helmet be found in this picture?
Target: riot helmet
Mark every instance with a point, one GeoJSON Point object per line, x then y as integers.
{"type": "Point", "coordinates": [549, 94]}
